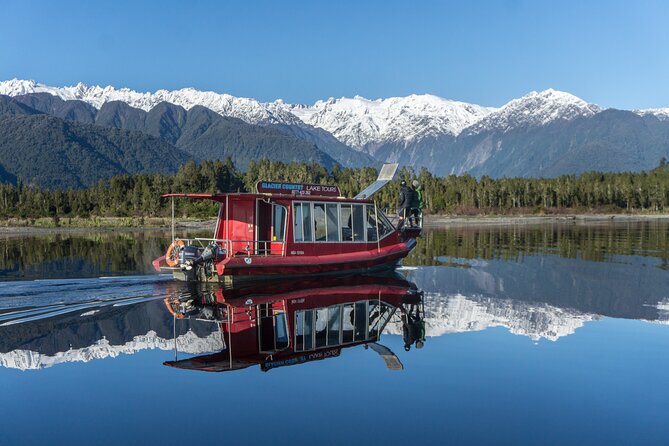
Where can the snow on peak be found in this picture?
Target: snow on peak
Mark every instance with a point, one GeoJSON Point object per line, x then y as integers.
{"type": "Point", "coordinates": [536, 109]}
{"type": "Point", "coordinates": [660, 113]}
{"type": "Point", "coordinates": [361, 123]}
{"type": "Point", "coordinates": [358, 121]}
{"type": "Point", "coordinates": [249, 110]}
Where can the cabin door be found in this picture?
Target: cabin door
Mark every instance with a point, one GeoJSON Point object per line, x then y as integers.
{"type": "Point", "coordinates": [263, 227]}
{"type": "Point", "coordinates": [279, 224]}
{"type": "Point", "coordinates": [241, 227]}
{"type": "Point", "coordinates": [271, 226]}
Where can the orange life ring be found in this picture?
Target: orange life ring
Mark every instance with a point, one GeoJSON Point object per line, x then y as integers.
{"type": "Point", "coordinates": [168, 303]}
{"type": "Point", "coordinates": [172, 254]}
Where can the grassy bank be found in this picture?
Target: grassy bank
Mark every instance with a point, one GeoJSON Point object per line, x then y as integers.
{"type": "Point", "coordinates": [101, 222]}
{"type": "Point", "coordinates": [469, 216]}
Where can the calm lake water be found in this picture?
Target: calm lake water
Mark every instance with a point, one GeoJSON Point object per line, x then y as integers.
{"type": "Point", "coordinates": [552, 334]}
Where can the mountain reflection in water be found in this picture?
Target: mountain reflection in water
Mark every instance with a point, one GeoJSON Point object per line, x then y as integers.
{"type": "Point", "coordinates": [549, 334]}
{"type": "Point", "coordinates": [542, 282]}
{"type": "Point", "coordinates": [44, 323]}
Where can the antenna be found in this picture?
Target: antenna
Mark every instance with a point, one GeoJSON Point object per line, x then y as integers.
{"type": "Point", "coordinates": [386, 175]}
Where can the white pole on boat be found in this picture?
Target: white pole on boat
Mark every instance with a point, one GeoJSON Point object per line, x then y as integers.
{"type": "Point", "coordinates": [231, 319]}
{"type": "Point", "coordinates": [172, 218]}
{"type": "Point", "coordinates": [376, 217]}
{"type": "Point", "coordinates": [378, 327]}
{"type": "Point", "coordinates": [174, 332]}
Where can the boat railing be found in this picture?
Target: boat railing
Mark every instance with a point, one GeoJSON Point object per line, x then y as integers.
{"type": "Point", "coordinates": [397, 220]}
{"type": "Point", "coordinates": [244, 248]}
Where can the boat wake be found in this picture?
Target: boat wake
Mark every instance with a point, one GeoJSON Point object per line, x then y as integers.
{"type": "Point", "coordinates": [25, 301]}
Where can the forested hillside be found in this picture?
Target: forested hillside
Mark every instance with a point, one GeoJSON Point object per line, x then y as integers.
{"type": "Point", "coordinates": [199, 131]}
{"type": "Point", "coordinates": [139, 195]}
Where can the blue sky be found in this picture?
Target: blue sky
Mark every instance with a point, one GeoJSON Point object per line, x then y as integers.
{"type": "Point", "coordinates": [613, 53]}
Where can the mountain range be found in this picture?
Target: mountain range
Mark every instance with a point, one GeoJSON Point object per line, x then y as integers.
{"type": "Point", "coordinates": [547, 133]}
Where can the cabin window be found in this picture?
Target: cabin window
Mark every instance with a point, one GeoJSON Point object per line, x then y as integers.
{"type": "Point", "coordinates": [334, 222]}
{"type": "Point", "coordinates": [308, 330]}
{"type": "Point", "coordinates": [346, 223]}
{"type": "Point", "coordinates": [297, 222]}
{"type": "Point", "coordinates": [321, 327]}
{"type": "Point", "coordinates": [347, 323]}
{"type": "Point", "coordinates": [280, 330]}
{"type": "Point", "coordinates": [302, 218]}
{"type": "Point", "coordinates": [385, 227]}
{"type": "Point", "coordinates": [320, 230]}
{"type": "Point", "coordinates": [332, 215]}
{"type": "Point", "coordinates": [299, 331]}
{"type": "Point", "coordinates": [304, 330]}
{"type": "Point", "coordinates": [370, 223]}
{"type": "Point", "coordinates": [379, 314]}
{"type": "Point", "coordinates": [278, 223]}
{"type": "Point", "coordinates": [334, 325]}
{"type": "Point", "coordinates": [360, 323]}
{"type": "Point", "coordinates": [358, 223]}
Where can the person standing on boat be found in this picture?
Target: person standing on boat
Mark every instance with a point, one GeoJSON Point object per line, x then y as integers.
{"type": "Point", "coordinates": [406, 199]}
{"type": "Point", "coordinates": [417, 203]}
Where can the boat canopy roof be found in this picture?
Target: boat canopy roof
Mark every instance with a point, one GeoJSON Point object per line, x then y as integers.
{"type": "Point", "coordinates": [301, 191]}
{"type": "Point", "coordinates": [220, 197]}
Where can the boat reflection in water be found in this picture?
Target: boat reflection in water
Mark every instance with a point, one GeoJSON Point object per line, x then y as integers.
{"type": "Point", "coordinates": [278, 325]}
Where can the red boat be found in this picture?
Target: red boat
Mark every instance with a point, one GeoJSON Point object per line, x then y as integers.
{"type": "Point", "coordinates": [289, 230]}
{"type": "Point", "coordinates": [275, 327]}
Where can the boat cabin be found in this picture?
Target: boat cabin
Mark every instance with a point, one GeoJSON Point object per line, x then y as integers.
{"type": "Point", "coordinates": [311, 220]}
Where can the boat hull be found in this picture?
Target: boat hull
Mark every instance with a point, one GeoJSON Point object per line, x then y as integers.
{"type": "Point", "coordinates": [234, 271]}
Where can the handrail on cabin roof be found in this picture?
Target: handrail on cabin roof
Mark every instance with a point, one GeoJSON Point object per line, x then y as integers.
{"type": "Point", "coordinates": [220, 197]}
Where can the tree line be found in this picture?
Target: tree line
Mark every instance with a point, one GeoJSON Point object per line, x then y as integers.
{"type": "Point", "coordinates": [139, 195]}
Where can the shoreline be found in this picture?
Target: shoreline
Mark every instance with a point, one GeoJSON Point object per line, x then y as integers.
{"type": "Point", "coordinates": [431, 221]}
{"type": "Point", "coordinates": [108, 225]}
{"type": "Point", "coordinates": [456, 220]}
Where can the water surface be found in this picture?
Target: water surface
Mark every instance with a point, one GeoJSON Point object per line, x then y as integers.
{"type": "Point", "coordinates": [548, 334]}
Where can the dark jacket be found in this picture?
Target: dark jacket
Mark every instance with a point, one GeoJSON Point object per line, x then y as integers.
{"type": "Point", "coordinates": [406, 197]}
{"type": "Point", "coordinates": [415, 199]}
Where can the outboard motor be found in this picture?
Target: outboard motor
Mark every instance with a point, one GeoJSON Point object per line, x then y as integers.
{"type": "Point", "coordinates": [189, 253]}
{"type": "Point", "coordinates": [208, 255]}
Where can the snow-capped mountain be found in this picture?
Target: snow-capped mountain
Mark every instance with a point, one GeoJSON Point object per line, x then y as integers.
{"type": "Point", "coordinates": [660, 113]}
{"type": "Point", "coordinates": [272, 114]}
{"type": "Point", "coordinates": [358, 122]}
{"type": "Point", "coordinates": [546, 133]}
{"type": "Point", "coordinates": [362, 123]}
{"type": "Point", "coordinates": [532, 111]}
{"type": "Point", "coordinates": [535, 109]}
{"type": "Point", "coordinates": [249, 110]}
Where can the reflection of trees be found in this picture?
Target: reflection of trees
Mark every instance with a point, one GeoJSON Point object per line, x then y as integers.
{"type": "Point", "coordinates": [92, 254]}
{"type": "Point", "coordinates": [588, 242]}
{"type": "Point", "coordinates": [77, 255]}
